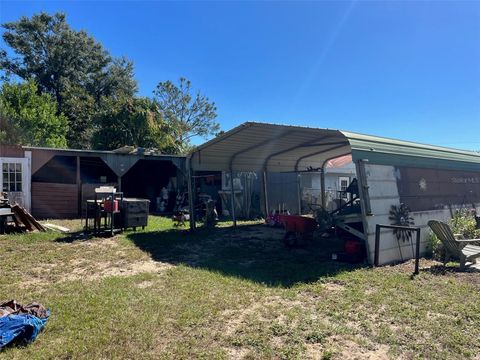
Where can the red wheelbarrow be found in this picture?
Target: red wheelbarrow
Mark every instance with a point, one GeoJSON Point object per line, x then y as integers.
{"type": "Point", "coordinates": [298, 229]}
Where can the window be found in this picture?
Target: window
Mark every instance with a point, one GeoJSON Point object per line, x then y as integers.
{"type": "Point", "coordinates": [12, 177]}
{"type": "Point", "coordinates": [343, 182]}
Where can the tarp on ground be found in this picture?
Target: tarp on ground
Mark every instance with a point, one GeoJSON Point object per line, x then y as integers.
{"type": "Point", "coordinates": [20, 328]}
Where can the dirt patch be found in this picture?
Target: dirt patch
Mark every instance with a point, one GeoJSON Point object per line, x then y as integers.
{"type": "Point", "coordinates": [262, 311]}
{"type": "Point", "coordinates": [470, 276]}
{"type": "Point", "coordinates": [409, 266]}
{"type": "Point", "coordinates": [145, 284]}
{"type": "Point", "coordinates": [99, 243]}
{"type": "Point", "coordinates": [106, 269]}
{"type": "Point", "coordinates": [237, 352]}
{"type": "Point", "coordinates": [235, 318]}
{"type": "Point", "coordinates": [262, 234]}
{"type": "Point", "coordinates": [30, 283]}
{"type": "Point", "coordinates": [90, 260]}
{"type": "Point", "coordinates": [334, 286]}
{"type": "Point", "coordinates": [435, 316]}
{"type": "Point", "coordinates": [348, 349]}
{"type": "Point", "coordinates": [314, 351]}
{"type": "Point", "coordinates": [284, 302]}
{"type": "Point", "coordinates": [370, 291]}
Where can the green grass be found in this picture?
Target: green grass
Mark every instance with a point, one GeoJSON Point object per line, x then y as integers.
{"type": "Point", "coordinates": [225, 293]}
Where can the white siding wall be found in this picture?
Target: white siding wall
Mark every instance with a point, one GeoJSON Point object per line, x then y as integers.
{"type": "Point", "coordinates": [332, 185]}
{"type": "Point", "coordinates": [383, 192]}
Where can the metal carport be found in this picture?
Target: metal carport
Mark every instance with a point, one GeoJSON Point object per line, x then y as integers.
{"type": "Point", "coordinates": [268, 148]}
{"type": "Point", "coordinates": [263, 147]}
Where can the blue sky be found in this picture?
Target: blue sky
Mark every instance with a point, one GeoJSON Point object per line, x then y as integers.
{"type": "Point", "coordinates": [408, 70]}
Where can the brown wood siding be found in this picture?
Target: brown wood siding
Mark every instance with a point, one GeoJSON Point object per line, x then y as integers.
{"type": "Point", "coordinates": [11, 151]}
{"type": "Point", "coordinates": [40, 158]}
{"type": "Point", "coordinates": [54, 201]}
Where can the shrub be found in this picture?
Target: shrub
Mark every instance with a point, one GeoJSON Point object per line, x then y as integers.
{"type": "Point", "coordinates": [462, 223]}
{"type": "Point", "coordinates": [434, 248]}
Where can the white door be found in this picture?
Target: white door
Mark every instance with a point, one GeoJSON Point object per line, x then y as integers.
{"type": "Point", "coordinates": [343, 183]}
{"type": "Point", "coordinates": [15, 180]}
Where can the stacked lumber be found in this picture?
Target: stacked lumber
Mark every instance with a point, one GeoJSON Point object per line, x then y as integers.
{"type": "Point", "coordinates": [22, 216]}
{"type": "Point", "coordinates": [22, 219]}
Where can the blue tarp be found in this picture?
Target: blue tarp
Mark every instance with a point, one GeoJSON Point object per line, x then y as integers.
{"type": "Point", "coordinates": [21, 328]}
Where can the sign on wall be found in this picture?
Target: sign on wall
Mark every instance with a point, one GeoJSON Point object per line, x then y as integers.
{"type": "Point", "coordinates": [432, 189]}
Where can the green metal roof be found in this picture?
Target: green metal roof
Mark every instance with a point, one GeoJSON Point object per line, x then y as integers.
{"type": "Point", "coordinates": [386, 151]}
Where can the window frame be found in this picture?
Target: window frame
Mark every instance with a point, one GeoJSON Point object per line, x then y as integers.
{"type": "Point", "coordinates": [343, 193]}
{"type": "Point", "coordinates": [12, 174]}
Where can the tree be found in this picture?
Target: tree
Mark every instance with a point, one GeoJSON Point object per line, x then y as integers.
{"type": "Point", "coordinates": [80, 108]}
{"type": "Point", "coordinates": [70, 65]}
{"type": "Point", "coordinates": [29, 118]}
{"type": "Point", "coordinates": [134, 121]}
{"type": "Point", "coordinates": [187, 114]}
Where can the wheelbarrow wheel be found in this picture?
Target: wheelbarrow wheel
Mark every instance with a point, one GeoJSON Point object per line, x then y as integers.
{"type": "Point", "coordinates": [292, 238]}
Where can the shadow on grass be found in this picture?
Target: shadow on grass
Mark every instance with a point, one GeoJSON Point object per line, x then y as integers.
{"type": "Point", "coordinates": [449, 269]}
{"type": "Point", "coordinates": [81, 236]}
{"type": "Point", "coordinates": [253, 252]}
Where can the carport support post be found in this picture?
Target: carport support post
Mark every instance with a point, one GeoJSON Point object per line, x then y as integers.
{"type": "Point", "coordinates": [191, 200]}
{"type": "Point", "coordinates": [299, 194]}
{"type": "Point", "coordinates": [364, 201]}
{"type": "Point", "coordinates": [322, 185]}
{"type": "Point", "coordinates": [265, 192]}
{"type": "Point", "coordinates": [232, 192]}
{"type": "Point", "coordinates": [79, 187]}
{"type": "Point", "coordinates": [119, 182]}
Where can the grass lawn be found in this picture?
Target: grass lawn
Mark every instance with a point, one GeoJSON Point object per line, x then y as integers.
{"type": "Point", "coordinates": [231, 293]}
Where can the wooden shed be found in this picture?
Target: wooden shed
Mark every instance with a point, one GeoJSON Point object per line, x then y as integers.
{"type": "Point", "coordinates": [56, 182]}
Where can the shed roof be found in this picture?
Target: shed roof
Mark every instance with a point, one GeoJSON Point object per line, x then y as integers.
{"type": "Point", "coordinates": [86, 152]}
{"type": "Point", "coordinates": [119, 162]}
{"type": "Point", "coordinates": [255, 146]}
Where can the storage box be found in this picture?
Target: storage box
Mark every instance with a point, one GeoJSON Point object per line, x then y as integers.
{"type": "Point", "coordinates": [135, 212]}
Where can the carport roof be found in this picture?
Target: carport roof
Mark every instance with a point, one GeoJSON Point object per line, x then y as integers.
{"type": "Point", "coordinates": [256, 146]}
